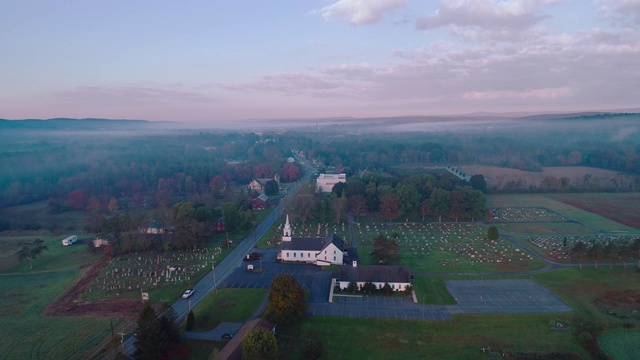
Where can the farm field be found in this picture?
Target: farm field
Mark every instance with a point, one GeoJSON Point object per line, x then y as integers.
{"type": "Point", "coordinates": [546, 228]}
{"type": "Point", "coordinates": [549, 201]}
{"type": "Point", "coordinates": [445, 247]}
{"type": "Point", "coordinates": [623, 208]}
{"type": "Point", "coordinates": [27, 334]}
{"type": "Point", "coordinates": [553, 246]}
{"type": "Point", "coordinates": [38, 214]}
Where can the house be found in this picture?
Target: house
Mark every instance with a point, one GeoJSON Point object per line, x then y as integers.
{"type": "Point", "coordinates": [233, 349]}
{"type": "Point", "coordinates": [321, 251]}
{"type": "Point", "coordinates": [325, 182]}
{"type": "Point", "coordinates": [260, 203]}
{"type": "Point", "coordinates": [155, 228]}
{"type": "Point", "coordinates": [398, 277]}
{"type": "Point", "coordinates": [218, 225]}
{"type": "Point", "coordinates": [259, 184]}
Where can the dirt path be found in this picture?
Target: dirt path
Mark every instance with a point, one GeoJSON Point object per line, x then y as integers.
{"type": "Point", "coordinates": [69, 304]}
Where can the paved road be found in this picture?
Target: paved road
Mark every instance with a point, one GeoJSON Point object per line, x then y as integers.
{"type": "Point", "coordinates": [214, 279]}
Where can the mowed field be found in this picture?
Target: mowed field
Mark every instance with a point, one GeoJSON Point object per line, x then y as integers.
{"type": "Point", "coordinates": [623, 208]}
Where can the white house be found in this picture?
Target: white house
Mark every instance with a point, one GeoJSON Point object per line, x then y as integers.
{"type": "Point", "coordinates": [327, 181]}
{"type": "Point", "coordinates": [321, 251]}
{"type": "Point", "coordinates": [398, 277]}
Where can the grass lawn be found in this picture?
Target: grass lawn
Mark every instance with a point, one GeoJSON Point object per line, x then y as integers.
{"type": "Point", "coordinates": [234, 305]}
{"type": "Point", "coordinates": [462, 338]}
{"type": "Point", "coordinates": [445, 247]}
{"type": "Point", "coordinates": [200, 349]}
{"type": "Point", "coordinates": [621, 344]}
{"type": "Point", "coordinates": [431, 290]}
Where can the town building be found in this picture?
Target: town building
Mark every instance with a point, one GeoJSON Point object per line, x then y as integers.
{"type": "Point", "coordinates": [398, 277]}
{"type": "Point", "coordinates": [321, 251]}
{"type": "Point", "coordinates": [325, 182]}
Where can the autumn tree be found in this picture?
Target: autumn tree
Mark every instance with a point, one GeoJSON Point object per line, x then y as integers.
{"type": "Point", "coordinates": [390, 206]}
{"type": "Point", "coordinates": [286, 301]}
{"type": "Point", "coordinates": [357, 205]}
{"type": "Point", "coordinates": [30, 251]}
{"type": "Point", "coordinates": [113, 205]}
{"type": "Point", "coordinates": [425, 210]}
{"type": "Point", "coordinates": [290, 172]}
{"type": "Point", "coordinates": [339, 207]}
{"type": "Point", "coordinates": [385, 249]}
{"type": "Point", "coordinates": [260, 344]}
{"type": "Point", "coordinates": [459, 206]}
{"type": "Point", "coordinates": [610, 253]}
{"type": "Point", "coordinates": [79, 200]}
{"type": "Point", "coordinates": [595, 253]}
{"type": "Point", "coordinates": [303, 205]}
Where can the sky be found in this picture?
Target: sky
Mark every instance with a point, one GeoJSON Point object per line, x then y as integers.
{"type": "Point", "coordinates": [215, 61]}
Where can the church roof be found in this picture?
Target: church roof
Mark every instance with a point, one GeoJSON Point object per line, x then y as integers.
{"type": "Point", "coordinates": [313, 244]}
{"type": "Point", "coordinates": [375, 273]}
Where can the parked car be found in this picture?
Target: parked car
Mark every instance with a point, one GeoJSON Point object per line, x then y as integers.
{"type": "Point", "coordinates": [187, 294]}
{"type": "Point", "coordinates": [227, 336]}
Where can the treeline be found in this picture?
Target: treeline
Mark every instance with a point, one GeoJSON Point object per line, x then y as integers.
{"type": "Point", "coordinates": [411, 197]}
{"type": "Point", "coordinates": [155, 170]}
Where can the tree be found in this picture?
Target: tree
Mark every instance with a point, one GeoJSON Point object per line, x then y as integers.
{"type": "Point", "coordinates": [113, 205]}
{"type": "Point", "coordinates": [578, 252]}
{"type": "Point", "coordinates": [260, 344]}
{"type": "Point", "coordinates": [290, 172]}
{"type": "Point", "coordinates": [409, 198]}
{"type": "Point", "coordinates": [390, 206]}
{"type": "Point", "coordinates": [339, 207]}
{"type": "Point", "coordinates": [78, 199]}
{"type": "Point", "coordinates": [231, 216]}
{"type": "Point", "coordinates": [30, 251]}
{"type": "Point", "coordinates": [439, 202]}
{"type": "Point", "coordinates": [303, 205]}
{"type": "Point", "coordinates": [477, 182]}
{"type": "Point", "coordinates": [355, 187]}
{"type": "Point", "coordinates": [477, 203]}
{"type": "Point", "coordinates": [271, 188]}
{"type": "Point", "coordinates": [610, 253]}
{"type": "Point", "coordinates": [286, 301]}
{"type": "Point", "coordinates": [459, 206]}
{"type": "Point", "coordinates": [357, 205]}
{"type": "Point", "coordinates": [339, 189]}
{"type": "Point", "coordinates": [384, 248]}
{"type": "Point", "coordinates": [156, 335]}
{"type": "Point", "coordinates": [425, 210]}
{"type": "Point", "coordinates": [595, 253]}
{"type": "Point", "coordinates": [493, 233]}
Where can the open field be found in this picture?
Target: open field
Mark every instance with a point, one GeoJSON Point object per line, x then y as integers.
{"type": "Point", "coordinates": [621, 344]}
{"type": "Point", "coordinates": [545, 228]}
{"type": "Point", "coordinates": [499, 176]}
{"type": "Point", "coordinates": [36, 217]}
{"type": "Point", "coordinates": [524, 214]}
{"type": "Point", "coordinates": [445, 247]}
{"type": "Point", "coordinates": [623, 208]}
{"type": "Point", "coordinates": [432, 290]}
{"type": "Point", "coordinates": [27, 334]}
{"type": "Point", "coordinates": [553, 246]}
{"type": "Point", "coordinates": [234, 305]}
{"type": "Point", "coordinates": [551, 202]}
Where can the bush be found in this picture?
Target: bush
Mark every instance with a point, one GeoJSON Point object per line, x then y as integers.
{"type": "Point", "coordinates": [386, 289]}
{"type": "Point", "coordinates": [369, 288]}
{"type": "Point", "coordinates": [313, 351]}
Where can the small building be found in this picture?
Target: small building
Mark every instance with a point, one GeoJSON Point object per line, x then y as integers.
{"type": "Point", "coordinates": [321, 251]}
{"type": "Point", "coordinates": [325, 182]}
{"type": "Point", "coordinates": [155, 228]}
{"type": "Point", "coordinates": [259, 184]}
{"type": "Point", "coordinates": [398, 277]}
{"type": "Point", "coordinates": [69, 240]}
{"type": "Point", "coordinates": [233, 349]}
{"type": "Point", "coordinates": [100, 242]}
{"type": "Point", "coordinates": [218, 225]}
{"type": "Point", "coordinates": [260, 203]}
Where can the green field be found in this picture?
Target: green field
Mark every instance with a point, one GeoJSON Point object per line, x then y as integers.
{"type": "Point", "coordinates": [621, 344]}
{"type": "Point", "coordinates": [550, 202]}
{"type": "Point", "coordinates": [546, 228]}
{"type": "Point", "coordinates": [234, 305]}
{"type": "Point", "coordinates": [445, 247]}
{"type": "Point", "coordinates": [27, 334]}
{"type": "Point", "coordinates": [432, 290]}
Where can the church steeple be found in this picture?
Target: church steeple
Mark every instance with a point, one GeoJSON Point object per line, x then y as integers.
{"type": "Point", "coordinates": [286, 233]}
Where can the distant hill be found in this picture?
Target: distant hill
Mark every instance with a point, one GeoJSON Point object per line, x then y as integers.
{"type": "Point", "coordinates": [578, 116]}
{"type": "Point", "coordinates": [75, 124]}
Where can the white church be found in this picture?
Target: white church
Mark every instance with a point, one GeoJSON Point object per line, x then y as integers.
{"type": "Point", "coordinates": [323, 251]}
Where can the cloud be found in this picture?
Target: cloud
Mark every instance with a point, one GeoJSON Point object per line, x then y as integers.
{"type": "Point", "coordinates": [548, 93]}
{"type": "Point", "coordinates": [495, 15]}
{"type": "Point", "coordinates": [620, 12]}
{"type": "Point", "coordinates": [360, 12]}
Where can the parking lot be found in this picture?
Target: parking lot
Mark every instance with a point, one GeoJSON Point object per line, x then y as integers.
{"type": "Point", "coordinates": [472, 296]}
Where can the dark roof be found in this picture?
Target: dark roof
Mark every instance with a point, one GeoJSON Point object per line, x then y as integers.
{"type": "Point", "coordinates": [233, 349]}
{"type": "Point", "coordinates": [375, 273]}
{"type": "Point", "coordinates": [313, 244]}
